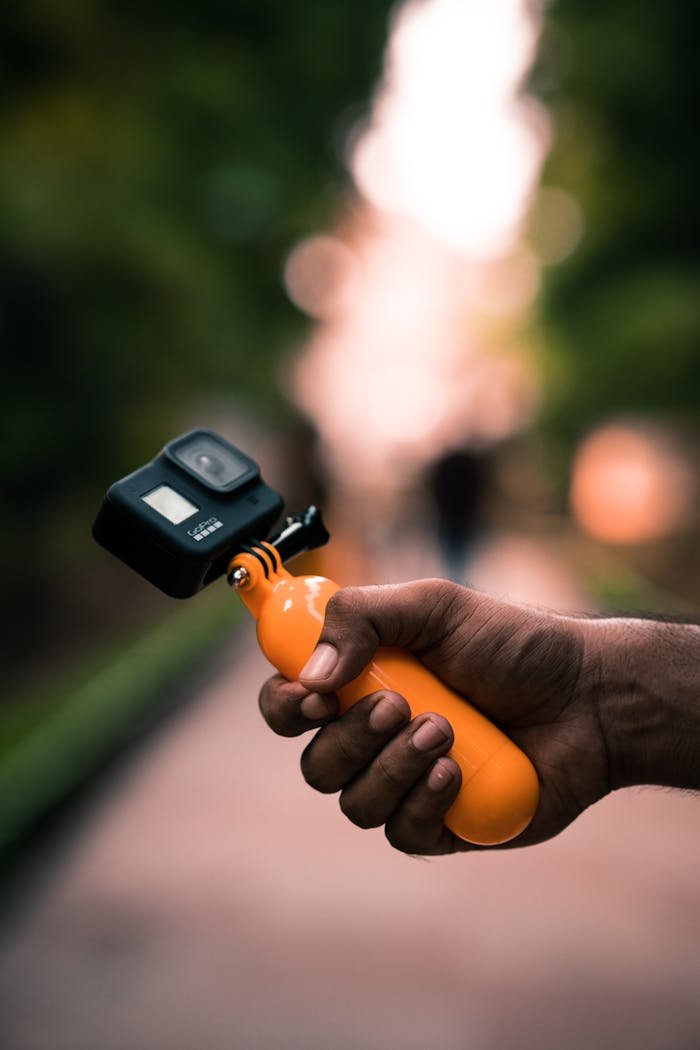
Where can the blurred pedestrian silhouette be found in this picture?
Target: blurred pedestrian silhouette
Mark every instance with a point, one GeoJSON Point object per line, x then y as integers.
{"type": "Point", "coordinates": [455, 486]}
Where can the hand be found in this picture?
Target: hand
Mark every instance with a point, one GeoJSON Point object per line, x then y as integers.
{"type": "Point", "coordinates": [532, 672]}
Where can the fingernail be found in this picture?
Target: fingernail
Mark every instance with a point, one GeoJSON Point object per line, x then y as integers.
{"type": "Point", "coordinates": [386, 715]}
{"type": "Point", "coordinates": [441, 775]}
{"type": "Point", "coordinates": [427, 736]}
{"type": "Point", "coordinates": [314, 707]}
{"type": "Point", "coordinates": [320, 663]}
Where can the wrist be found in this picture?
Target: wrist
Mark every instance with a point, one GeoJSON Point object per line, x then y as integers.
{"type": "Point", "coordinates": [647, 676]}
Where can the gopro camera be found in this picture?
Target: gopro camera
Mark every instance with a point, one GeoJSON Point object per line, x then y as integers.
{"type": "Point", "coordinates": [179, 520]}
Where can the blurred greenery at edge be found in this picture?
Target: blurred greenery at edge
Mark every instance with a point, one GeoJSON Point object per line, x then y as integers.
{"type": "Point", "coordinates": [61, 735]}
{"type": "Point", "coordinates": [158, 160]}
{"type": "Point", "coordinates": [620, 316]}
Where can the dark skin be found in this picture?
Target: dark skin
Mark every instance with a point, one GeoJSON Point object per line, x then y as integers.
{"type": "Point", "coordinates": [595, 704]}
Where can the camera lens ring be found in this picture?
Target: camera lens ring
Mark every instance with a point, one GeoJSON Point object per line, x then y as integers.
{"type": "Point", "coordinates": [212, 461]}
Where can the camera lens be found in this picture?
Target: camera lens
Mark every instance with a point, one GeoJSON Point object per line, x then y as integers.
{"type": "Point", "coordinates": [208, 465]}
{"type": "Point", "coordinates": [218, 464]}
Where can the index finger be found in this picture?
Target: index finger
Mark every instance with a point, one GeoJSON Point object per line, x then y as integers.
{"type": "Point", "coordinates": [290, 710]}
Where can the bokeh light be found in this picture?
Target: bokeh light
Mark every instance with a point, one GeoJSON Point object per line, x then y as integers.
{"type": "Point", "coordinates": [555, 224]}
{"type": "Point", "coordinates": [320, 276]}
{"type": "Point", "coordinates": [630, 484]}
{"type": "Point", "coordinates": [450, 142]}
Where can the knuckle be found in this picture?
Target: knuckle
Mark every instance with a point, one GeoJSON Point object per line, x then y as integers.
{"type": "Point", "coordinates": [279, 718]}
{"type": "Point", "coordinates": [286, 729]}
{"type": "Point", "coordinates": [275, 708]}
{"type": "Point", "coordinates": [399, 837]}
{"type": "Point", "coordinates": [266, 697]}
{"type": "Point", "coordinates": [346, 620]}
{"type": "Point", "coordinates": [350, 749]}
{"type": "Point", "coordinates": [446, 609]}
{"type": "Point", "coordinates": [393, 776]}
{"type": "Point", "coordinates": [357, 812]}
{"type": "Point", "coordinates": [313, 773]}
{"type": "Point", "coordinates": [272, 715]}
{"type": "Point", "coordinates": [341, 613]}
{"type": "Point", "coordinates": [344, 602]}
{"type": "Point", "coordinates": [412, 832]}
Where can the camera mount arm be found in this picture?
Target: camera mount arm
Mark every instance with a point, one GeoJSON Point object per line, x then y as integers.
{"type": "Point", "coordinates": [300, 533]}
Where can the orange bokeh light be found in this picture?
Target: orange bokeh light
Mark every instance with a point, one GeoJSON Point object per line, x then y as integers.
{"type": "Point", "coordinates": [630, 484]}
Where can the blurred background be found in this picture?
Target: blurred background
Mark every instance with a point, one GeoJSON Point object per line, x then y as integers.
{"type": "Point", "coordinates": [434, 265]}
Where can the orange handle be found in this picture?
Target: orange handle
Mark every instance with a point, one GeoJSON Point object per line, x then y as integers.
{"type": "Point", "coordinates": [499, 791]}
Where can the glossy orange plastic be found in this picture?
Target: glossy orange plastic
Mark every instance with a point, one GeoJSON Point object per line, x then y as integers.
{"type": "Point", "coordinates": [500, 790]}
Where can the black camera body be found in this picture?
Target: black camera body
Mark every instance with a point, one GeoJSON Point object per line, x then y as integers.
{"type": "Point", "coordinates": [180, 519]}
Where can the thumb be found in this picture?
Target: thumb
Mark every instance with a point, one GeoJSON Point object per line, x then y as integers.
{"type": "Point", "coordinates": [358, 620]}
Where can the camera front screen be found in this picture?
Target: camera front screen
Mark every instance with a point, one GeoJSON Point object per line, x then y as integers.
{"type": "Point", "coordinates": [170, 504]}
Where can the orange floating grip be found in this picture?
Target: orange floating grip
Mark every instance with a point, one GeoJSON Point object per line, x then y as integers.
{"type": "Point", "coordinates": [499, 791]}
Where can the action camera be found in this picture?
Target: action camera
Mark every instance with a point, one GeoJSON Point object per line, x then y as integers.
{"type": "Point", "coordinates": [178, 520]}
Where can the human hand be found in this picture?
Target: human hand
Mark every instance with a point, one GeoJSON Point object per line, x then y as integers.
{"type": "Point", "coordinates": [532, 672]}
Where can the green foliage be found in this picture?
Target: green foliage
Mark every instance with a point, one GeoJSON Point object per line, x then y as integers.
{"type": "Point", "coordinates": [621, 314]}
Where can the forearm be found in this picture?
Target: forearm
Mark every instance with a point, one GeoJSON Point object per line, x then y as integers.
{"type": "Point", "coordinates": [646, 679]}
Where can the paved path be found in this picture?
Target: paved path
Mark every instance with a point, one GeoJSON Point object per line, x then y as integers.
{"type": "Point", "coordinates": [213, 902]}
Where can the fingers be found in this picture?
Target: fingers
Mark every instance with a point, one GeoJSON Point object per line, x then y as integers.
{"type": "Point", "coordinates": [389, 771]}
{"type": "Point", "coordinates": [417, 825]}
{"type": "Point", "coordinates": [344, 748]}
{"type": "Point", "coordinates": [374, 794]}
{"type": "Point", "coordinates": [289, 709]}
{"type": "Point", "coordinates": [359, 619]}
